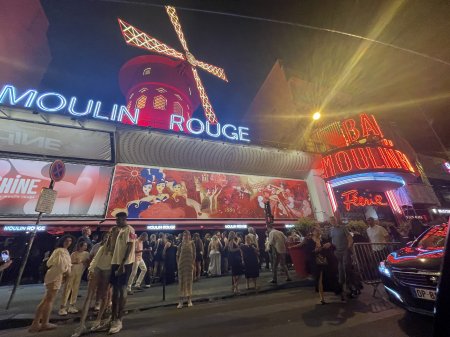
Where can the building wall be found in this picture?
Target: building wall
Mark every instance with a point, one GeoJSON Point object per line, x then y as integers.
{"type": "Point", "coordinates": [24, 50]}
{"type": "Point", "coordinates": [319, 196]}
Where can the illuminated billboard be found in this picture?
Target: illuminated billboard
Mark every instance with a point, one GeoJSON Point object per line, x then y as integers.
{"type": "Point", "coordinates": [82, 192]}
{"type": "Point", "coordinates": [161, 193]}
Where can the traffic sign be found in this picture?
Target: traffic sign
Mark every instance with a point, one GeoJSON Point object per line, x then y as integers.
{"type": "Point", "coordinates": [57, 170]}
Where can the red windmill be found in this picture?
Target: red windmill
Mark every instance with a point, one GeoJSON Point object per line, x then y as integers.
{"type": "Point", "coordinates": [153, 84]}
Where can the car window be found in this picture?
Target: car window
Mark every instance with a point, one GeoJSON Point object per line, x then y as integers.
{"type": "Point", "coordinates": [434, 238]}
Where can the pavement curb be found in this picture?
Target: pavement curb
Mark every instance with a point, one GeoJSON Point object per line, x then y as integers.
{"type": "Point", "coordinates": [17, 322]}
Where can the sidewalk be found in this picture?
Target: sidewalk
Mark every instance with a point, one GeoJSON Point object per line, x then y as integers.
{"type": "Point", "coordinates": [206, 290]}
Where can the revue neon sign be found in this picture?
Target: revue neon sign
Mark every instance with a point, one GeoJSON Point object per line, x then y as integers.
{"type": "Point", "coordinates": [53, 102]}
{"type": "Point", "coordinates": [351, 198]}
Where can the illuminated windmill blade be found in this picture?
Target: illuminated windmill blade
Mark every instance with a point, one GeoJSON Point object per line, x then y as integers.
{"type": "Point", "coordinates": [176, 24]}
{"type": "Point", "coordinates": [207, 107]}
{"type": "Point", "coordinates": [138, 38]}
{"type": "Point", "coordinates": [219, 72]}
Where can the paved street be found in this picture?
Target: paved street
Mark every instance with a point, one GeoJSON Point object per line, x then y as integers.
{"type": "Point", "coordinates": [288, 312]}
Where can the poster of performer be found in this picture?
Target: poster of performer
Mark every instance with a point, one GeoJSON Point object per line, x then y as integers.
{"type": "Point", "coordinates": [160, 193]}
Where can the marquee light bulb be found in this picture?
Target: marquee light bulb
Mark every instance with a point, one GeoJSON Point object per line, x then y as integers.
{"type": "Point", "coordinates": [316, 116]}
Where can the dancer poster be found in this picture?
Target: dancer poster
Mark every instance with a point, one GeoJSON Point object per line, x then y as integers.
{"type": "Point", "coordinates": [160, 193]}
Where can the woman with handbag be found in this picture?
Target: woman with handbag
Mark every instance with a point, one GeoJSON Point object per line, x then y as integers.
{"type": "Point", "coordinates": [320, 259]}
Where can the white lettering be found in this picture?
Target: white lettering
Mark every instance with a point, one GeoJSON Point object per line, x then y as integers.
{"type": "Point", "coordinates": [61, 98]}
{"type": "Point", "coordinates": [208, 130]}
{"type": "Point", "coordinates": [10, 91]}
{"type": "Point", "coordinates": [233, 136]}
{"type": "Point", "coordinates": [124, 111]}
{"type": "Point", "coordinates": [176, 120]}
{"type": "Point", "coordinates": [242, 134]}
{"type": "Point", "coordinates": [193, 131]}
{"type": "Point", "coordinates": [72, 111]}
{"type": "Point", "coordinates": [33, 186]}
{"type": "Point", "coordinates": [97, 108]}
{"type": "Point", "coordinates": [6, 185]}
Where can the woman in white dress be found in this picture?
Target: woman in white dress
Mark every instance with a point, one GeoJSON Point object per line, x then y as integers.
{"type": "Point", "coordinates": [59, 265]}
{"type": "Point", "coordinates": [215, 247]}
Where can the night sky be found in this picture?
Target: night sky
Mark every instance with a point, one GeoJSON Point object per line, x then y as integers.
{"type": "Point", "coordinates": [88, 50]}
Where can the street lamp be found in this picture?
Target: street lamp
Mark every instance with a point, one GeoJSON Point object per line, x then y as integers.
{"type": "Point", "coordinates": [316, 116]}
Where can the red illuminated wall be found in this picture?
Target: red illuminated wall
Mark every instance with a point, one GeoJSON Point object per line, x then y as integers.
{"type": "Point", "coordinates": [159, 87]}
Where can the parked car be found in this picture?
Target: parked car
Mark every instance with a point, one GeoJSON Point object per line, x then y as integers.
{"type": "Point", "coordinates": [411, 274]}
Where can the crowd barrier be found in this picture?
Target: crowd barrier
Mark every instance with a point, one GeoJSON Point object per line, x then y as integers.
{"type": "Point", "coordinates": [368, 256]}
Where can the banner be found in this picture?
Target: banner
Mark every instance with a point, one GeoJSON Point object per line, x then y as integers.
{"type": "Point", "coordinates": [152, 192]}
{"type": "Point", "coordinates": [55, 141]}
{"type": "Point", "coordinates": [82, 192]}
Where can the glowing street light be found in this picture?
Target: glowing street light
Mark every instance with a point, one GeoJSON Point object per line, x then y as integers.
{"type": "Point", "coordinates": [316, 116]}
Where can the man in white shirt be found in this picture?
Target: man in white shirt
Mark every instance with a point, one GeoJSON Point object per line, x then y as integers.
{"type": "Point", "coordinates": [277, 241]}
{"type": "Point", "coordinates": [138, 264]}
{"type": "Point", "coordinates": [123, 238]}
{"type": "Point", "coordinates": [376, 234]}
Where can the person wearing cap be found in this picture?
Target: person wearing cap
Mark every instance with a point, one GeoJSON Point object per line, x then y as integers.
{"type": "Point", "coordinates": [122, 245]}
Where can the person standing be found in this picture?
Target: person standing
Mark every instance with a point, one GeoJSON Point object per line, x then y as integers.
{"type": "Point", "coordinates": [186, 262]}
{"type": "Point", "coordinates": [206, 242]}
{"type": "Point", "coordinates": [59, 265]}
{"type": "Point", "coordinates": [147, 256]}
{"type": "Point", "coordinates": [251, 261]}
{"type": "Point", "coordinates": [215, 247]}
{"type": "Point", "coordinates": [319, 254]}
{"type": "Point", "coordinates": [342, 242]}
{"type": "Point", "coordinates": [157, 257]}
{"type": "Point", "coordinates": [170, 259]}
{"type": "Point", "coordinates": [198, 256]}
{"type": "Point", "coordinates": [138, 264]}
{"type": "Point", "coordinates": [80, 260]}
{"type": "Point", "coordinates": [277, 242]}
{"type": "Point", "coordinates": [122, 240]}
{"type": "Point", "coordinates": [235, 260]}
{"type": "Point", "coordinates": [377, 234]}
{"type": "Point", "coordinates": [224, 253]}
{"type": "Point", "coordinates": [253, 236]}
{"type": "Point", "coordinates": [85, 236]}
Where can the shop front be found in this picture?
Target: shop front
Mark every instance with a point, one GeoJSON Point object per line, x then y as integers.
{"type": "Point", "coordinates": [365, 172]}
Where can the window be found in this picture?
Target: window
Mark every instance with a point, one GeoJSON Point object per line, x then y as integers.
{"type": "Point", "coordinates": [159, 102]}
{"type": "Point", "coordinates": [177, 109]}
{"type": "Point", "coordinates": [147, 71]}
{"type": "Point", "coordinates": [140, 102]}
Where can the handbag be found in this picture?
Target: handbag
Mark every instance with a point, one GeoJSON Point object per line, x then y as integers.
{"type": "Point", "coordinates": [321, 260]}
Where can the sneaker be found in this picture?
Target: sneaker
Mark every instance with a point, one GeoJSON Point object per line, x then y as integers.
{"type": "Point", "coordinates": [97, 306]}
{"type": "Point", "coordinates": [147, 286]}
{"type": "Point", "coordinates": [95, 326]}
{"type": "Point", "coordinates": [190, 304]}
{"type": "Point", "coordinates": [116, 326]}
{"type": "Point", "coordinates": [129, 292]}
{"type": "Point", "coordinates": [180, 305]}
{"type": "Point", "coordinates": [138, 287]}
{"type": "Point", "coordinates": [101, 325]}
{"type": "Point", "coordinates": [62, 312]}
{"type": "Point", "coordinates": [81, 330]}
{"type": "Point", "coordinates": [72, 310]}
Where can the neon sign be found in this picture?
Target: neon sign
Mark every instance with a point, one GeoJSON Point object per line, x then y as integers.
{"type": "Point", "coordinates": [368, 158]}
{"type": "Point", "coordinates": [27, 228]}
{"type": "Point", "coordinates": [53, 102]}
{"type": "Point", "coordinates": [446, 166]}
{"type": "Point", "coordinates": [351, 198]}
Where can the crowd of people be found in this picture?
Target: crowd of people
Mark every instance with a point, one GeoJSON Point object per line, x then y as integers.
{"type": "Point", "coordinates": [122, 262]}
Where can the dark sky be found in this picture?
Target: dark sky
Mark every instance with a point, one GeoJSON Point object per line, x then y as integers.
{"type": "Point", "coordinates": [88, 50]}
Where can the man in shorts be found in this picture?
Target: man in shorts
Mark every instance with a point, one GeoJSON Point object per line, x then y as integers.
{"type": "Point", "coordinates": [123, 238]}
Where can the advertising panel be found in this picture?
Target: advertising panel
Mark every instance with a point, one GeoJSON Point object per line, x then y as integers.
{"type": "Point", "coordinates": [153, 192]}
{"type": "Point", "coordinates": [82, 192]}
{"type": "Point", "coordinates": [55, 141]}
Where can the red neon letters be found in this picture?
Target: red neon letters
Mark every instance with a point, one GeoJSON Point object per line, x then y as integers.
{"type": "Point", "coordinates": [351, 198]}
{"type": "Point", "coordinates": [365, 158]}
{"type": "Point", "coordinates": [368, 126]}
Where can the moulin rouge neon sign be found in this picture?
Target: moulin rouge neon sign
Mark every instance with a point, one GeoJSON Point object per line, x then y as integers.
{"type": "Point", "coordinates": [53, 102]}
{"type": "Point", "coordinates": [366, 150]}
{"type": "Point", "coordinates": [351, 198]}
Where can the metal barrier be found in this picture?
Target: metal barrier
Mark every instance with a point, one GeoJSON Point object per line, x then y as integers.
{"type": "Point", "coordinates": [368, 256]}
